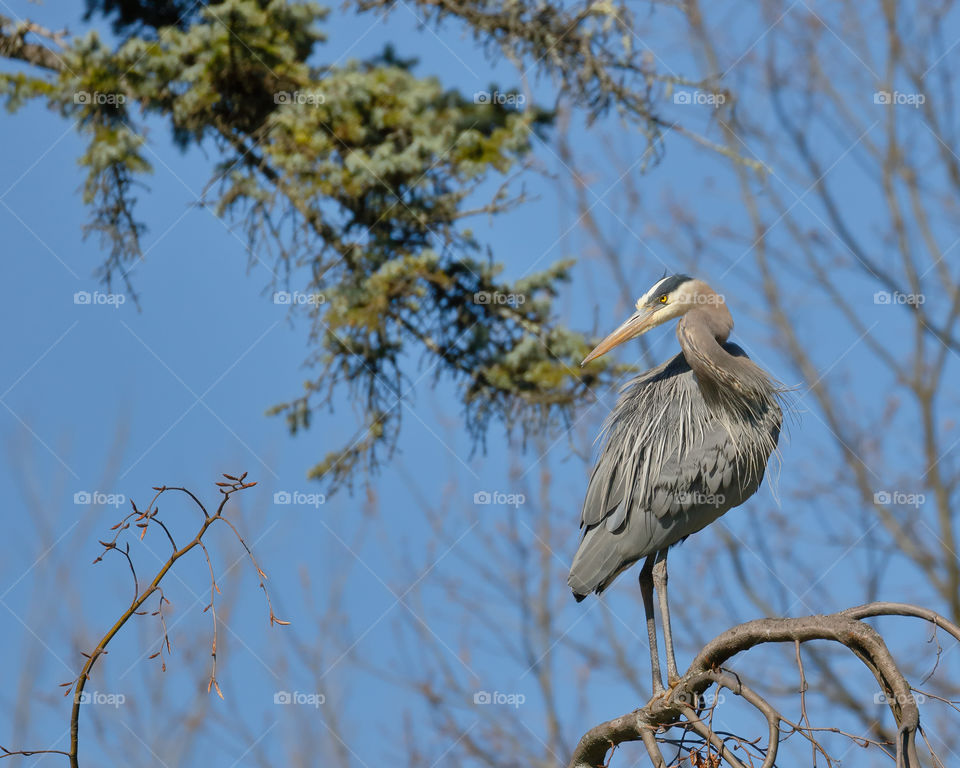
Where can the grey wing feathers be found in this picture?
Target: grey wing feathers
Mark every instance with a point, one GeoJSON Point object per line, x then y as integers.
{"type": "Point", "coordinates": [630, 444]}
{"type": "Point", "coordinates": [668, 468]}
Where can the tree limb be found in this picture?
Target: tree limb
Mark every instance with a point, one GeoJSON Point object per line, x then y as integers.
{"type": "Point", "coordinates": [13, 44]}
{"type": "Point", "coordinates": [675, 708]}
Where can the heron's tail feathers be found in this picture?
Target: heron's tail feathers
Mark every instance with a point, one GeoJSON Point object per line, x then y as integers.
{"type": "Point", "coordinates": [597, 563]}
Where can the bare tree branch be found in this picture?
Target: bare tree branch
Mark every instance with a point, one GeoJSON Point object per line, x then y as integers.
{"type": "Point", "coordinates": [142, 520]}
{"type": "Point", "coordinates": [652, 722]}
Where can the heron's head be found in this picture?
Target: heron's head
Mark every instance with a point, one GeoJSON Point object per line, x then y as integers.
{"type": "Point", "coordinates": [669, 298]}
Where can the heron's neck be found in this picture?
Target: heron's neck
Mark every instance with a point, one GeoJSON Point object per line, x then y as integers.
{"type": "Point", "coordinates": [702, 332]}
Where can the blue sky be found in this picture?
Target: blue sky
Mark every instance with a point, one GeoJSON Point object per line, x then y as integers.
{"type": "Point", "coordinates": [176, 393]}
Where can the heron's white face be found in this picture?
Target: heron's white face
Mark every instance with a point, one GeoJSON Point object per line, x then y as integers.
{"type": "Point", "coordinates": [666, 300]}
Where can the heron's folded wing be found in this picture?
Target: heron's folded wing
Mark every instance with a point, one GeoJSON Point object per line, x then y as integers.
{"type": "Point", "coordinates": [623, 457]}
{"type": "Point", "coordinates": [693, 475]}
{"type": "Point", "coordinates": [604, 497]}
{"type": "Point", "coordinates": [715, 472]}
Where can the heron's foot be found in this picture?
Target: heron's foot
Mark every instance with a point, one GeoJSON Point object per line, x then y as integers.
{"type": "Point", "coordinates": [661, 696]}
{"type": "Point", "coordinates": [672, 679]}
{"type": "Point", "coordinates": [673, 674]}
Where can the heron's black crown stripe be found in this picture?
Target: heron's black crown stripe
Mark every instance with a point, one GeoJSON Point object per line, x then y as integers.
{"type": "Point", "coordinates": [668, 285]}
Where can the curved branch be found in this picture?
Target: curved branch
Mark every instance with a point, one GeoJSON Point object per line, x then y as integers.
{"type": "Point", "coordinates": [846, 628]}
{"type": "Point", "coordinates": [735, 685]}
{"type": "Point", "coordinates": [593, 747]}
{"type": "Point", "coordinates": [694, 722]}
{"type": "Point", "coordinates": [871, 610]}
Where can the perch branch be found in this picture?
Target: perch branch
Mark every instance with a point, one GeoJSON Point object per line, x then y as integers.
{"type": "Point", "coordinates": [676, 709]}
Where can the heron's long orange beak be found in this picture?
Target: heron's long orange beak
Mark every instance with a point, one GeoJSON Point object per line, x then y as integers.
{"type": "Point", "coordinates": [640, 322]}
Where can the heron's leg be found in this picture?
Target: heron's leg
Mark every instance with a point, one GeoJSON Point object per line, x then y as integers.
{"type": "Point", "coordinates": [646, 588]}
{"type": "Point", "coordinates": [660, 583]}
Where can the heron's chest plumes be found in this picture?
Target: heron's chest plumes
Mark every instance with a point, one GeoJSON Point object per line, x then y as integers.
{"type": "Point", "coordinates": [672, 433]}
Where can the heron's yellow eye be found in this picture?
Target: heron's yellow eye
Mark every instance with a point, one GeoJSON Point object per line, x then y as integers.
{"type": "Point", "coordinates": [663, 299]}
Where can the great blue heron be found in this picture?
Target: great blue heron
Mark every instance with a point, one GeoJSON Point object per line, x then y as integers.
{"type": "Point", "coordinates": [687, 441]}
